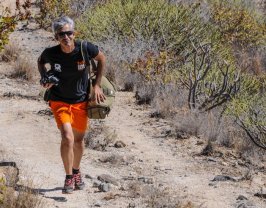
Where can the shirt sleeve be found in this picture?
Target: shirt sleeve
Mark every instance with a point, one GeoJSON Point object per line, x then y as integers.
{"type": "Point", "coordinates": [43, 59]}
{"type": "Point", "coordinates": [92, 50]}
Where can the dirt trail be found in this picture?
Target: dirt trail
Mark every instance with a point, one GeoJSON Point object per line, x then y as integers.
{"type": "Point", "coordinates": [150, 160]}
{"type": "Point", "coordinates": [32, 140]}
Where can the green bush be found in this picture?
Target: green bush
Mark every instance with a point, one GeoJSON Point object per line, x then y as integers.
{"type": "Point", "coordinates": [249, 108]}
{"type": "Point", "coordinates": [183, 45]}
{"type": "Point", "coordinates": [9, 21]}
{"type": "Point", "coordinates": [171, 27]}
{"type": "Point", "coordinates": [237, 24]}
{"type": "Point", "coordinates": [50, 10]}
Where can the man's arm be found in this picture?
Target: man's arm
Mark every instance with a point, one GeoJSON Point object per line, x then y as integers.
{"type": "Point", "coordinates": [41, 67]}
{"type": "Point", "coordinates": [42, 70]}
{"type": "Point", "coordinates": [99, 96]}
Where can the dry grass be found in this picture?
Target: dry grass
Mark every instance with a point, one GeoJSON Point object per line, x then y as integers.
{"type": "Point", "coordinates": [169, 99]}
{"type": "Point", "coordinates": [188, 122]}
{"type": "Point", "coordinates": [20, 199]}
{"type": "Point", "coordinates": [17, 196]}
{"type": "Point", "coordinates": [24, 68]}
{"type": "Point", "coordinates": [156, 197]}
{"type": "Point", "coordinates": [10, 52]}
{"type": "Point", "coordinates": [152, 196]}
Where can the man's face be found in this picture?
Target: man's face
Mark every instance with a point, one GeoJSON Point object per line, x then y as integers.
{"type": "Point", "coordinates": [66, 36]}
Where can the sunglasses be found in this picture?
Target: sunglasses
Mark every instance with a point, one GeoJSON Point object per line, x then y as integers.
{"type": "Point", "coordinates": [62, 34]}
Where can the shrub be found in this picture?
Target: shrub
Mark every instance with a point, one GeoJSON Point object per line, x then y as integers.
{"type": "Point", "coordinates": [7, 25]}
{"type": "Point", "coordinates": [79, 7]}
{"type": "Point", "coordinates": [168, 25]}
{"type": "Point", "coordinates": [237, 24]}
{"type": "Point", "coordinates": [186, 45]}
{"type": "Point", "coordinates": [9, 21]}
{"type": "Point", "coordinates": [50, 10]}
{"type": "Point", "coordinates": [249, 109]}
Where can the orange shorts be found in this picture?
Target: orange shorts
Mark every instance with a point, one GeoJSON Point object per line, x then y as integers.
{"type": "Point", "coordinates": [75, 114]}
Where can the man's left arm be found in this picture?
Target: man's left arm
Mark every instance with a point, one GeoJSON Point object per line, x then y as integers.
{"type": "Point", "coordinates": [100, 58]}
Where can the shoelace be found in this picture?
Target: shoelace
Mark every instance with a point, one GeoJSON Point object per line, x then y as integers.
{"type": "Point", "coordinates": [77, 178]}
{"type": "Point", "coordinates": [68, 182]}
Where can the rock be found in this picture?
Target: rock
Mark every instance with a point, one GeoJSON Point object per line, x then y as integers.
{"type": "Point", "coordinates": [98, 204]}
{"type": "Point", "coordinates": [225, 178]}
{"type": "Point", "coordinates": [199, 143]}
{"type": "Point", "coordinates": [211, 159]}
{"type": "Point", "coordinates": [131, 205]}
{"type": "Point", "coordinates": [146, 180]}
{"type": "Point", "coordinates": [244, 204]}
{"type": "Point", "coordinates": [108, 179]}
{"type": "Point", "coordinates": [262, 193]}
{"type": "Point", "coordinates": [89, 176]}
{"type": "Point", "coordinates": [129, 178]}
{"type": "Point", "coordinates": [214, 184]}
{"type": "Point", "coordinates": [119, 144]}
{"type": "Point", "coordinates": [96, 183]}
{"type": "Point", "coordinates": [59, 199]}
{"type": "Point", "coordinates": [241, 197]}
{"type": "Point", "coordinates": [104, 187]}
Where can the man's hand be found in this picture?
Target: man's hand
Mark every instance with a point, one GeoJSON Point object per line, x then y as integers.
{"type": "Point", "coordinates": [45, 85]}
{"type": "Point", "coordinates": [98, 93]}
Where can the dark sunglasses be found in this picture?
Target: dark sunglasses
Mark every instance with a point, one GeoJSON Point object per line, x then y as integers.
{"type": "Point", "coordinates": [68, 33]}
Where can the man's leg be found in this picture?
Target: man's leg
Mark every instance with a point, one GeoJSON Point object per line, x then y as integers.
{"type": "Point", "coordinates": [67, 154]}
{"type": "Point", "coordinates": [78, 148]}
{"type": "Point", "coordinates": [67, 145]}
{"type": "Point", "coordinates": [78, 153]}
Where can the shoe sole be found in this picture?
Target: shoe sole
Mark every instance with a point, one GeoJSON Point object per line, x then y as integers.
{"type": "Point", "coordinates": [79, 187]}
{"type": "Point", "coordinates": [67, 191]}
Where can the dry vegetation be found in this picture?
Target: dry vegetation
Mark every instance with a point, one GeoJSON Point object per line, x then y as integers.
{"type": "Point", "coordinates": [23, 66]}
{"type": "Point", "coordinates": [13, 195]}
{"type": "Point", "coordinates": [202, 77]}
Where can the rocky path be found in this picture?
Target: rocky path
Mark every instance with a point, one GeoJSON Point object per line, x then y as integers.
{"type": "Point", "coordinates": [143, 166]}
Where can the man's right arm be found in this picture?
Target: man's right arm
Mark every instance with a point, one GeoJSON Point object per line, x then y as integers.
{"type": "Point", "coordinates": [41, 67]}
{"type": "Point", "coordinates": [42, 70]}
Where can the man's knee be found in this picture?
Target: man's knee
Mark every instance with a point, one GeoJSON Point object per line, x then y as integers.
{"type": "Point", "coordinates": [67, 137]}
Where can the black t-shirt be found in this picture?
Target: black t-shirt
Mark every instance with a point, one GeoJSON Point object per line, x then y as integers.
{"type": "Point", "coordinates": [71, 71]}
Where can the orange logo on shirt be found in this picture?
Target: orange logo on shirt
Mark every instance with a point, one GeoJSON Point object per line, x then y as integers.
{"type": "Point", "coordinates": [81, 65]}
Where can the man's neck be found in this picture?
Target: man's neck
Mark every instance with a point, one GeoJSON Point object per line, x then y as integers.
{"type": "Point", "coordinates": [67, 49]}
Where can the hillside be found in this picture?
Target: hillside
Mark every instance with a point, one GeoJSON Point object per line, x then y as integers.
{"type": "Point", "coordinates": [145, 163]}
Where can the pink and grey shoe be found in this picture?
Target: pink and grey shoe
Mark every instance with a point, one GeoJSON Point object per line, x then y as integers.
{"type": "Point", "coordinates": [79, 184]}
{"type": "Point", "coordinates": [68, 186]}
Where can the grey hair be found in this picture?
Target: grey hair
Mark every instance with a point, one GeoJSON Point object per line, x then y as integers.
{"type": "Point", "coordinates": [61, 22]}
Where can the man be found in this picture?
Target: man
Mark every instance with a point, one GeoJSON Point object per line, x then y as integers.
{"type": "Point", "coordinates": [68, 98]}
